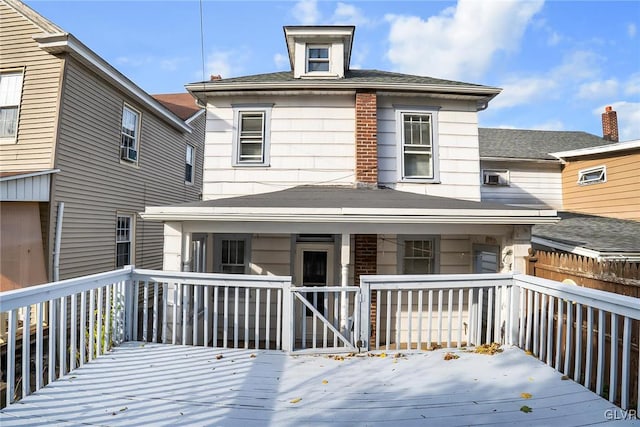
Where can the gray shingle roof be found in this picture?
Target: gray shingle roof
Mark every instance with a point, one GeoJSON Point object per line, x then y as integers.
{"type": "Point", "coordinates": [532, 144]}
{"type": "Point", "coordinates": [351, 76]}
{"type": "Point", "coordinates": [592, 232]}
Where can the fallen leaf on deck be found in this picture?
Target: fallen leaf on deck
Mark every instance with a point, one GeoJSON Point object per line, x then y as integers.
{"type": "Point", "coordinates": [252, 355]}
{"type": "Point", "coordinates": [219, 356]}
{"type": "Point", "coordinates": [325, 382]}
{"type": "Point", "coordinates": [489, 349]}
{"type": "Point", "coordinates": [526, 395]}
{"type": "Point", "coordinates": [528, 353]}
{"type": "Point", "coordinates": [398, 355]}
{"type": "Point", "coordinates": [531, 379]}
{"type": "Point", "coordinates": [564, 377]}
{"type": "Point", "coordinates": [296, 400]}
{"type": "Point", "coordinates": [451, 356]}
{"type": "Point", "coordinates": [382, 355]}
{"type": "Point", "coordinates": [123, 409]}
{"type": "Point", "coordinates": [526, 409]}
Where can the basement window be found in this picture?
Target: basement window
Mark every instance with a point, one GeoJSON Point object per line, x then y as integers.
{"type": "Point", "coordinates": [594, 175]}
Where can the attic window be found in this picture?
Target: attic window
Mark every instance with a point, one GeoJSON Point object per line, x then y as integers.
{"type": "Point", "coordinates": [317, 58]}
{"type": "Point", "coordinates": [495, 177]}
{"type": "Point", "coordinates": [592, 175]}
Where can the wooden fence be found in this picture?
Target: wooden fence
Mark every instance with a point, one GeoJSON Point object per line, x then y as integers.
{"type": "Point", "coordinates": [619, 277]}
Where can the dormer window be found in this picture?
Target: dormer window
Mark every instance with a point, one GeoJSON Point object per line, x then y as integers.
{"type": "Point", "coordinates": [317, 58]}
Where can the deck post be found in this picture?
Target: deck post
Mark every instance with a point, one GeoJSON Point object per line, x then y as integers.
{"type": "Point", "coordinates": [129, 307]}
{"type": "Point", "coordinates": [288, 325]}
{"type": "Point", "coordinates": [513, 311]}
{"type": "Point", "coordinates": [365, 314]}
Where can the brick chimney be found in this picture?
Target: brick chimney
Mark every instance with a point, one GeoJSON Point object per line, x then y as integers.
{"type": "Point", "coordinates": [215, 77]}
{"type": "Point", "coordinates": [610, 124]}
{"type": "Point", "coordinates": [366, 139]}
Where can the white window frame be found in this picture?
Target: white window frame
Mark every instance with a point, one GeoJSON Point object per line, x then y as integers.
{"type": "Point", "coordinates": [217, 250]}
{"type": "Point", "coordinates": [190, 161]}
{"type": "Point", "coordinates": [130, 239]}
{"type": "Point", "coordinates": [125, 157]}
{"type": "Point", "coordinates": [309, 60]}
{"type": "Point", "coordinates": [6, 102]}
{"type": "Point", "coordinates": [238, 111]}
{"type": "Point", "coordinates": [435, 245]}
{"type": "Point", "coordinates": [432, 113]}
{"type": "Point", "coordinates": [600, 171]}
{"type": "Point", "coordinates": [496, 177]}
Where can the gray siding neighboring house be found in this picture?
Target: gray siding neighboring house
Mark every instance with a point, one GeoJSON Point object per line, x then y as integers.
{"type": "Point", "coordinates": [80, 145]}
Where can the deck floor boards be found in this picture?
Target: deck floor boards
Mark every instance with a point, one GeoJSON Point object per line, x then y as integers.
{"type": "Point", "coordinates": [153, 384]}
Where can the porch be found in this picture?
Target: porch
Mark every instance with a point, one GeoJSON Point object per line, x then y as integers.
{"type": "Point", "coordinates": [185, 342]}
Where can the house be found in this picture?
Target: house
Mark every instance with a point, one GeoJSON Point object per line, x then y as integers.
{"type": "Point", "coordinates": [82, 150]}
{"type": "Point", "coordinates": [326, 173]}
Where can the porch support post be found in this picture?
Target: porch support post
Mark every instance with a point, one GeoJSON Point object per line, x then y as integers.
{"type": "Point", "coordinates": [345, 252]}
{"type": "Point", "coordinates": [172, 262]}
{"type": "Point", "coordinates": [186, 251]}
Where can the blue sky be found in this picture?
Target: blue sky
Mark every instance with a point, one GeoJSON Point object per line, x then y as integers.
{"type": "Point", "coordinates": [559, 62]}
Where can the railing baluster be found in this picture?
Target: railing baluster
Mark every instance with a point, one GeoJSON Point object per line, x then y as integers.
{"type": "Point", "coordinates": [279, 320]}
{"type": "Point", "coordinates": [304, 320]}
{"type": "Point", "coordinates": [11, 356]}
{"type": "Point", "coordinates": [499, 296]}
{"type": "Point", "coordinates": [186, 292]}
{"type": "Point", "coordinates": [176, 302]}
{"type": "Point", "coordinates": [578, 348]}
{"type": "Point", "coordinates": [325, 329]}
{"type": "Point", "coordinates": [490, 311]}
{"type": "Point", "coordinates": [613, 368]}
{"type": "Point", "coordinates": [550, 330]}
{"type": "Point", "coordinates": [398, 319]}
{"type": "Point", "coordinates": [378, 303]}
{"type": "Point", "coordinates": [236, 315]}
{"type": "Point", "coordinates": [388, 323]}
{"type": "Point", "coordinates": [536, 324]}
{"type": "Point", "coordinates": [626, 358]}
{"type": "Point", "coordinates": [92, 323]}
{"type": "Point", "coordinates": [207, 313]}
{"type": "Point", "coordinates": [568, 338]}
{"type": "Point", "coordinates": [460, 304]}
{"type": "Point", "coordinates": [136, 307]}
{"type": "Point", "coordinates": [601, 345]}
{"type": "Point", "coordinates": [543, 327]}
{"type": "Point", "coordinates": [63, 338]}
{"type": "Point", "coordinates": [589, 355]}
{"type": "Point", "coordinates": [440, 298]}
{"type": "Point", "coordinates": [215, 316]}
{"type": "Point", "coordinates": [409, 320]}
{"type": "Point", "coordinates": [99, 322]}
{"type": "Point", "coordinates": [420, 302]}
{"type": "Point", "coordinates": [225, 318]}
{"type": "Point", "coordinates": [156, 313]}
{"type": "Point", "coordinates": [450, 327]}
{"type": "Point", "coordinates": [74, 325]}
{"type": "Point", "coordinates": [257, 329]}
{"type": "Point", "coordinates": [529, 319]}
{"type": "Point", "coordinates": [107, 318]}
{"type": "Point", "coordinates": [39, 344]}
{"type": "Point", "coordinates": [336, 315]}
{"type": "Point", "coordinates": [559, 328]}
{"type": "Point", "coordinates": [479, 321]}
{"type": "Point", "coordinates": [522, 320]}
{"type": "Point", "coordinates": [267, 344]}
{"type": "Point", "coordinates": [469, 316]}
{"type": "Point", "coordinates": [145, 311]}
{"type": "Point", "coordinates": [314, 321]}
{"type": "Point", "coordinates": [26, 346]}
{"type": "Point", "coordinates": [247, 295]}
{"type": "Point", "coordinates": [83, 327]}
{"type": "Point", "coordinates": [196, 314]}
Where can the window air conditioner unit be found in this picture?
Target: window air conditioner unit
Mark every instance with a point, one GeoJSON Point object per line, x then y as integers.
{"type": "Point", "coordinates": [492, 179]}
{"type": "Point", "coordinates": [128, 154]}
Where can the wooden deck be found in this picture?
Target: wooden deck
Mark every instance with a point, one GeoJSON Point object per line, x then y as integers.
{"type": "Point", "coordinates": [153, 384]}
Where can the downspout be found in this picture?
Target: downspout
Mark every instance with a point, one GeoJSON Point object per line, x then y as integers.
{"type": "Point", "coordinates": [56, 250]}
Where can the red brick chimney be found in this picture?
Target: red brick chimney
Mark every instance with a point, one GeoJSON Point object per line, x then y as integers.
{"type": "Point", "coordinates": [215, 77]}
{"type": "Point", "coordinates": [610, 124]}
{"type": "Point", "coordinates": [366, 139]}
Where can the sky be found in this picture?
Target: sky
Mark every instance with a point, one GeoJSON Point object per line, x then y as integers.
{"type": "Point", "coordinates": [559, 63]}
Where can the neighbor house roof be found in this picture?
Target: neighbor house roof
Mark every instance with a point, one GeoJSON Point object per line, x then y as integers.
{"type": "Point", "coordinates": [591, 235]}
{"type": "Point", "coordinates": [353, 79]}
{"type": "Point", "coordinates": [532, 144]}
{"type": "Point", "coordinates": [182, 105]}
{"type": "Point", "coordinates": [601, 149]}
{"type": "Point", "coordinates": [339, 204]}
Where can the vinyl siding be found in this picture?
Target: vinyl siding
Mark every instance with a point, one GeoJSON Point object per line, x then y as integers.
{"type": "Point", "coordinates": [455, 254]}
{"type": "Point", "coordinates": [311, 142]}
{"type": "Point", "coordinates": [95, 185]}
{"type": "Point", "coordinates": [39, 103]}
{"type": "Point", "coordinates": [457, 139]}
{"type": "Point", "coordinates": [535, 185]}
{"type": "Point", "coordinates": [271, 255]}
{"type": "Point", "coordinates": [619, 197]}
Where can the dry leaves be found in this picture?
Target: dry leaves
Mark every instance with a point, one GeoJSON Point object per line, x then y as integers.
{"type": "Point", "coordinates": [526, 409]}
{"type": "Point", "coordinates": [451, 356]}
{"type": "Point", "coordinates": [296, 400]}
{"type": "Point", "coordinates": [489, 349]}
{"type": "Point", "coordinates": [325, 382]}
{"type": "Point", "coordinates": [526, 395]}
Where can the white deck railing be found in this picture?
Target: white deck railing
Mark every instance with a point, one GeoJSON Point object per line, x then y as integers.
{"type": "Point", "coordinates": [589, 335]}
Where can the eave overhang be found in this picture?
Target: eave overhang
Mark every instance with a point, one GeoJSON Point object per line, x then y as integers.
{"type": "Point", "coordinates": [67, 43]}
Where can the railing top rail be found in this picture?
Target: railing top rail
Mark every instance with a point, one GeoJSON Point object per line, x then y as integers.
{"type": "Point", "coordinates": [11, 300]}
{"type": "Point", "coordinates": [436, 281]}
{"type": "Point", "coordinates": [325, 288]}
{"type": "Point", "coordinates": [218, 279]}
{"type": "Point", "coordinates": [596, 298]}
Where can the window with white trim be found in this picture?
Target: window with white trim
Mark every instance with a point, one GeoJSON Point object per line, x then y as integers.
{"type": "Point", "coordinates": [417, 254]}
{"type": "Point", "coordinates": [189, 165]}
{"type": "Point", "coordinates": [417, 144]}
{"type": "Point", "coordinates": [317, 58]}
{"type": "Point", "coordinates": [251, 135]}
{"type": "Point", "coordinates": [124, 240]}
{"type": "Point", "coordinates": [594, 175]}
{"type": "Point", "coordinates": [130, 134]}
{"type": "Point", "coordinates": [10, 94]}
{"type": "Point", "coordinates": [232, 253]}
{"type": "Point", "coordinates": [495, 177]}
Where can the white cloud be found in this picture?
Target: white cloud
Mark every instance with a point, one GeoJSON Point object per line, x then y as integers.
{"type": "Point", "coordinates": [549, 125]}
{"type": "Point", "coordinates": [137, 61]}
{"type": "Point", "coordinates": [461, 41]}
{"type": "Point", "coordinates": [554, 38]}
{"type": "Point", "coordinates": [306, 12]}
{"type": "Point", "coordinates": [347, 14]}
{"type": "Point", "coordinates": [223, 63]}
{"type": "Point", "coordinates": [172, 64]}
{"type": "Point", "coordinates": [628, 118]}
{"type": "Point", "coordinates": [631, 30]}
{"type": "Point", "coordinates": [599, 89]}
{"type": "Point", "coordinates": [518, 91]}
{"type": "Point", "coordinates": [281, 61]}
{"type": "Point", "coordinates": [632, 86]}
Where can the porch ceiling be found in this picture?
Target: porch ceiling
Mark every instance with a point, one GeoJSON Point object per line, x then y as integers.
{"type": "Point", "coordinates": [349, 205]}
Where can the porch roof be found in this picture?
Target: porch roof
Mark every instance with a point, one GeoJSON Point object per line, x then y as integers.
{"type": "Point", "coordinates": [339, 204]}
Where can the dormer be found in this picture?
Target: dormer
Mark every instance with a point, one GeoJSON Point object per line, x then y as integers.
{"type": "Point", "coordinates": [319, 52]}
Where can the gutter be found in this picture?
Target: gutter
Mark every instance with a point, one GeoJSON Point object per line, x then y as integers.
{"type": "Point", "coordinates": [67, 43]}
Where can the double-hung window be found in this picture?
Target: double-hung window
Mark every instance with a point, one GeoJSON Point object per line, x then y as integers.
{"type": "Point", "coordinates": [317, 58]}
{"type": "Point", "coordinates": [232, 253]}
{"type": "Point", "coordinates": [417, 254]}
{"type": "Point", "coordinates": [417, 156]}
{"type": "Point", "coordinates": [10, 94]}
{"type": "Point", "coordinates": [124, 240]}
{"type": "Point", "coordinates": [251, 135]}
{"type": "Point", "coordinates": [130, 134]}
{"type": "Point", "coordinates": [189, 165]}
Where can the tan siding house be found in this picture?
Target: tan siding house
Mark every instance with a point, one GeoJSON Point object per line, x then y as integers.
{"type": "Point", "coordinates": [69, 141]}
